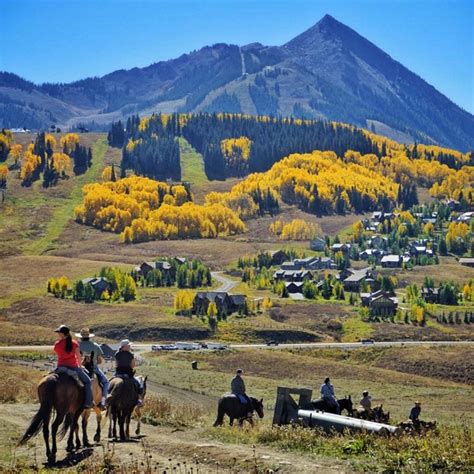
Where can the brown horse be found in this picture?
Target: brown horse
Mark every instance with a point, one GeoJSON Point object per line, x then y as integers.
{"type": "Point", "coordinates": [231, 406]}
{"type": "Point", "coordinates": [62, 393]}
{"type": "Point", "coordinates": [96, 397]}
{"type": "Point", "coordinates": [375, 414]}
{"type": "Point", "coordinates": [121, 402]}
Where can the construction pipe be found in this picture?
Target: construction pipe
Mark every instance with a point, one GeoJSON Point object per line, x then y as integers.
{"type": "Point", "coordinates": [329, 421]}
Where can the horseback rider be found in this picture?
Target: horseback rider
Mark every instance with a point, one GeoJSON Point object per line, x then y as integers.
{"type": "Point", "coordinates": [87, 346]}
{"type": "Point", "coordinates": [415, 413]}
{"type": "Point", "coordinates": [69, 356]}
{"type": "Point", "coordinates": [237, 387]}
{"type": "Point", "coordinates": [366, 401]}
{"type": "Point", "coordinates": [125, 365]}
{"type": "Point", "coordinates": [328, 395]}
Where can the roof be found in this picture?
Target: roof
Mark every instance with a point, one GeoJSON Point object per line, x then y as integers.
{"type": "Point", "coordinates": [391, 258]}
{"type": "Point", "coordinates": [295, 283]}
{"type": "Point", "coordinates": [212, 295]}
{"type": "Point", "coordinates": [466, 260]}
{"type": "Point", "coordinates": [238, 299]}
{"type": "Point", "coordinates": [95, 281]}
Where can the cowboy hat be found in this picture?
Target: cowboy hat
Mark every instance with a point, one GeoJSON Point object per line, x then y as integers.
{"type": "Point", "coordinates": [84, 332]}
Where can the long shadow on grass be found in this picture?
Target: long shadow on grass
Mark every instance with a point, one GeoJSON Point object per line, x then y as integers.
{"type": "Point", "coordinates": [72, 459]}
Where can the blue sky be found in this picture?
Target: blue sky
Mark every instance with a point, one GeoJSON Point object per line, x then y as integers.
{"type": "Point", "coordinates": [65, 40]}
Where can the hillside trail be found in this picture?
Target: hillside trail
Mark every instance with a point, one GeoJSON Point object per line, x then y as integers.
{"type": "Point", "coordinates": [167, 449]}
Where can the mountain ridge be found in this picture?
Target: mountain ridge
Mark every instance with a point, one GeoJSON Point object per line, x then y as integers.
{"type": "Point", "coordinates": [328, 71]}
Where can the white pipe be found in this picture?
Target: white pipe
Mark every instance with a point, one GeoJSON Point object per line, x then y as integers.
{"type": "Point", "coordinates": [340, 422]}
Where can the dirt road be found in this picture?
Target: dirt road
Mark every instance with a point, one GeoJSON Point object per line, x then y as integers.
{"type": "Point", "coordinates": [168, 449]}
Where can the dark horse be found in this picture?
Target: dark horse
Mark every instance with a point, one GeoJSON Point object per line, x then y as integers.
{"type": "Point", "coordinates": [121, 402]}
{"type": "Point", "coordinates": [231, 406]}
{"type": "Point", "coordinates": [63, 394]}
{"type": "Point", "coordinates": [344, 404]}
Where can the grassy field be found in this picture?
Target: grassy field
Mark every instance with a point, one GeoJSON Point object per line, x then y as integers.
{"type": "Point", "coordinates": [180, 410]}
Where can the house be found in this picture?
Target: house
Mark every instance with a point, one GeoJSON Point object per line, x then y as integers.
{"type": "Point", "coordinates": [225, 303]}
{"type": "Point", "coordinates": [289, 265]}
{"type": "Point", "coordinates": [380, 303]}
{"type": "Point", "coordinates": [238, 302]}
{"type": "Point", "coordinates": [368, 253]}
{"type": "Point", "coordinates": [344, 248]}
{"type": "Point", "coordinates": [277, 257]}
{"type": "Point", "coordinates": [430, 295]}
{"type": "Point", "coordinates": [468, 262]}
{"type": "Point", "coordinates": [165, 268]}
{"type": "Point", "coordinates": [317, 263]}
{"type": "Point", "coordinates": [292, 275]}
{"type": "Point", "coordinates": [419, 250]}
{"type": "Point", "coordinates": [466, 217]}
{"type": "Point", "coordinates": [377, 242]}
{"type": "Point", "coordinates": [381, 216]}
{"type": "Point", "coordinates": [294, 286]}
{"type": "Point", "coordinates": [353, 279]}
{"type": "Point", "coordinates": [99, 285]}
{"type": "Point", "coordinates": [318, 244]}
{"type": "Point", "coordinates": [391, 261]}
{"type": "Point", "coordinates": [180, 260]}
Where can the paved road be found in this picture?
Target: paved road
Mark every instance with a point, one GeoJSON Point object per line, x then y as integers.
{"type": "Point", "coordinates": [226, 283]}
{"type": "Point", "coordinates": [139, 347]}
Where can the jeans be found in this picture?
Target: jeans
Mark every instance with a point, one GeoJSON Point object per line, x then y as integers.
{"type": "Point", "coordinates": [136, 382]}
{"type": "Point", "coordinates": [103, 381]}
{"type": "Point", "coordinates": [85, 379]}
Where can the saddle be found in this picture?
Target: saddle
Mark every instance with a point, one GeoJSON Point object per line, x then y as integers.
{"type": "Point", "coordinates": [241, 398]}
{"type": "Point", "coordinates": [70, 373]}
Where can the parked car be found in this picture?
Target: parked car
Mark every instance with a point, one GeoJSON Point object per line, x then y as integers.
{"type": "Point", "coordinates": [272, 343]}
{"type": "Point", "coordinates": [188, 346]}
{"type": "Point", "coordinates": [216, 346]}
{"type": "Point", "coordinates": [157, 347]}
{"type": "Point", "coordinates": [169, 347]}
{"type": "Point", "coordinates": [367, 341]}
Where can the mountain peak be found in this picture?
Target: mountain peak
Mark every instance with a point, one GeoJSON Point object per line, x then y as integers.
{"type": "Point", "coordinates": [327, 20]}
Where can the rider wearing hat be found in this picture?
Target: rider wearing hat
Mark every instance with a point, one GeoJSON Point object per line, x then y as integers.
{"type": "Point", "coordinates": [366, 401]}
{"type": "Point", "coordinates": [125, 363]}
{"type": "Point", "coordinates": [415, 413]}
{"type": "Point", "coordinates": [87, 346]}
{"type": "Point", "coordinates": [69, 356]}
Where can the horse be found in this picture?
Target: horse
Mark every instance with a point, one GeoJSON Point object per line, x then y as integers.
{"type": "Point", "coordinates": [138, 409]}
{"type": "Point", "coordinates": [344, 404]}
{"type": "Point", "coordinates": [122, 400]}
{"type": "Point", "coordinates": [96, 397]}
{"type": "Point", "coordinates": [231, 406]}
{"type": "Point", "coordinates": [419, 427]}
{"type": "Point", "coordinates": [62, 393]}
{"type": "Point", "coordinates": [375, 414]}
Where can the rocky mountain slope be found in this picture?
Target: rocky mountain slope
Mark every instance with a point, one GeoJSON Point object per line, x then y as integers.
{"type": "Point", "coordinates": [328, 72]}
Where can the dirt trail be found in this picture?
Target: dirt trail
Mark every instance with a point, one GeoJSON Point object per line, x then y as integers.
{"type": "Point", "coordinates": [167, 447]}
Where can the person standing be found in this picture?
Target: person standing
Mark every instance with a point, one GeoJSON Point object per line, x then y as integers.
{"type": "Point", "coordinates": [329, 396]}
{"type": "Point", "coordinates": [69, 356]}
{"type": "Point", "coordinates": [88, 347]}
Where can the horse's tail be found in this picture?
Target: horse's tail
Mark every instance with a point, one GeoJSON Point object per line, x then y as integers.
{"type": "Point", "coordinates": [67, 423]}
{"type": "Point", "coordinates": [220, 413]}
{"type": "Point", "coordinates": [43, 414]}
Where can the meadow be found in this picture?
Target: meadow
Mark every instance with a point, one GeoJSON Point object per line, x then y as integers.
{"type": "Point", "coordinates": [181, 406]}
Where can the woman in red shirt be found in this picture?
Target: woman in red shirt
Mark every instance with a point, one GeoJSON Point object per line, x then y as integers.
{"type": "Point", "coordinates": [69, 356]}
